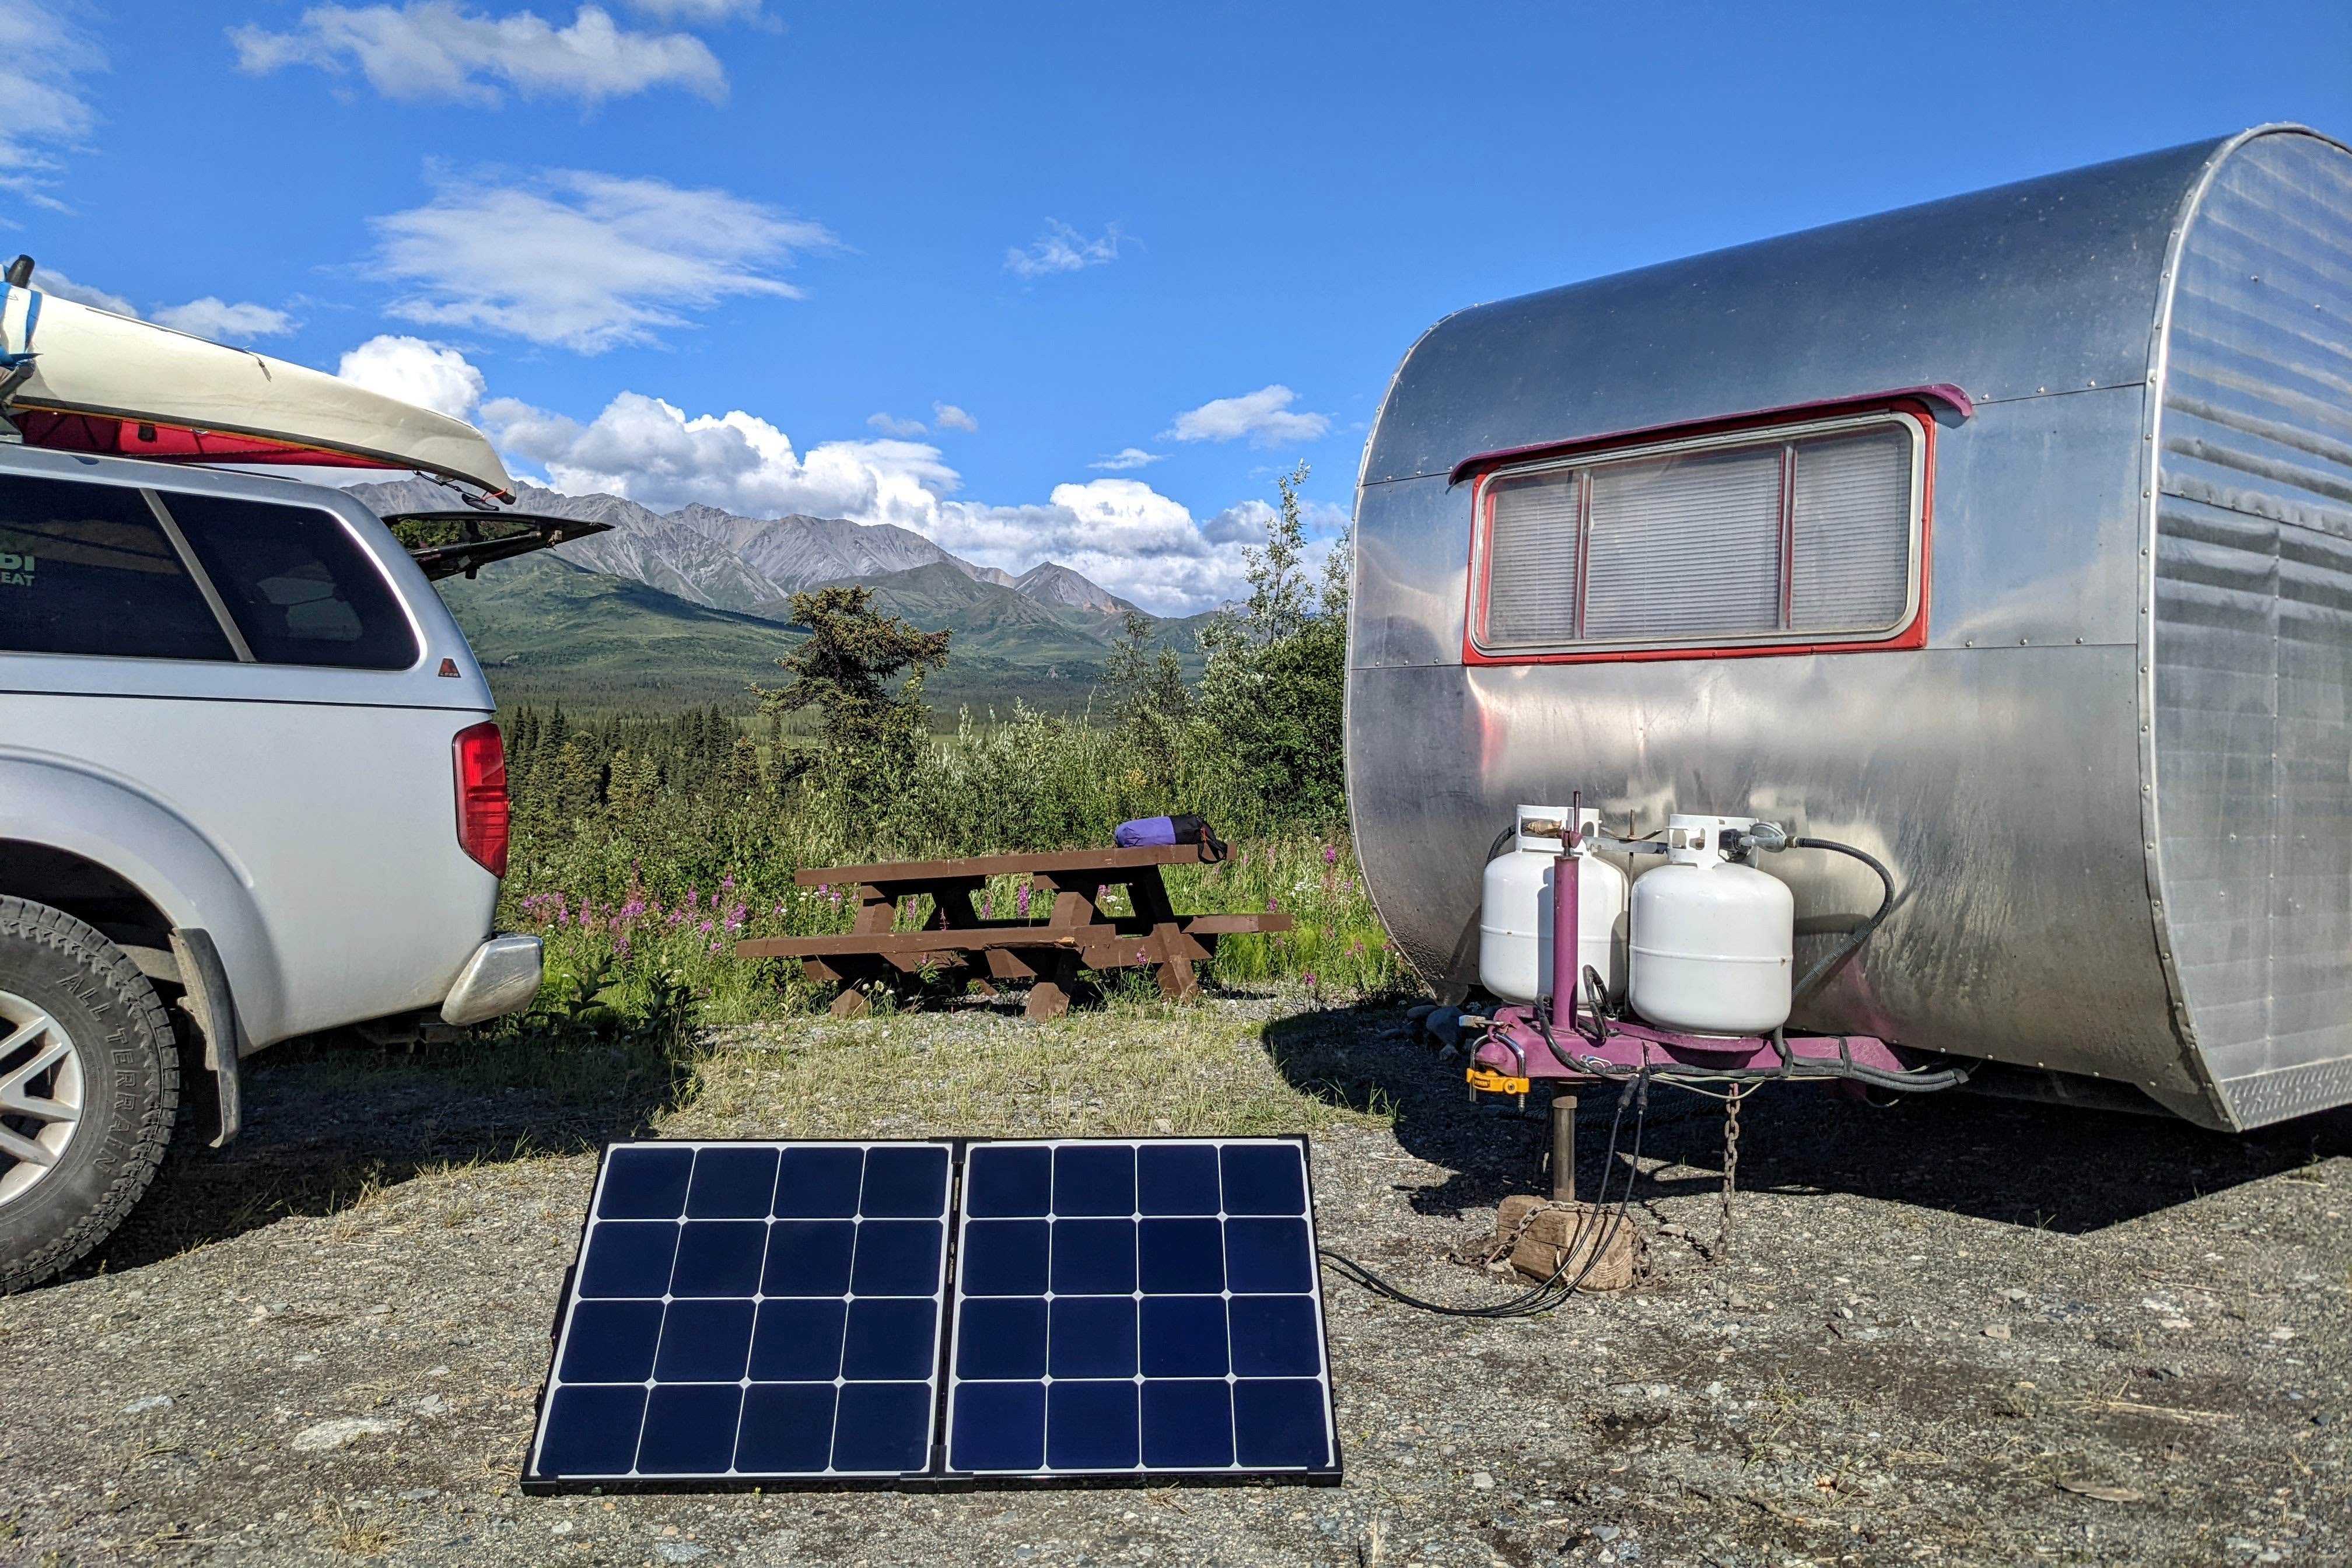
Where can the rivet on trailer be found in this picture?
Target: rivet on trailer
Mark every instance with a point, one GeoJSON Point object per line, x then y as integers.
{"type": "Point", "coordinates": [1933, 634]}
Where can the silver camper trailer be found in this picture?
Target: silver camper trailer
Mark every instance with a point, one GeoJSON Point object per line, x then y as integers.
{"type": "Point", "coordinates": [2008, 538]}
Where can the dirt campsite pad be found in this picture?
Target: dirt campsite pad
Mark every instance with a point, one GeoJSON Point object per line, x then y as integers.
{"type": "Point", "coordinates": [1965, 1332]}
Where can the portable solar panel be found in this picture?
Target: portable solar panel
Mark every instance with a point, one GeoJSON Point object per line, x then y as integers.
{"type": "Point", "coordinates": [1138, 1308]}
{"type": "Point", "coordinates": [780, 1314]}
{"type": "Point", "coordinates": [751, 1313]}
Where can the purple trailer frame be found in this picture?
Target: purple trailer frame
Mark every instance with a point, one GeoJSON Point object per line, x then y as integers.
{"type": "Point", "coordinates": [1573, 1044]}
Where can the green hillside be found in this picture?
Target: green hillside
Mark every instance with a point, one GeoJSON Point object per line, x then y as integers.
{"type": "Point", "coordinates": [990, 621]}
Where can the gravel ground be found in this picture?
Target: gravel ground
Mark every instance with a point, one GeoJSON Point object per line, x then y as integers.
{"type": "Point", "coordinates": [1964, 1331]}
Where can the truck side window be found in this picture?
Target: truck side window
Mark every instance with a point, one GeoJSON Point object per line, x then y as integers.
{"type": "Point", "coordinates": [86, 569]}
{"type": "Point", "coordinates": [298, 586]}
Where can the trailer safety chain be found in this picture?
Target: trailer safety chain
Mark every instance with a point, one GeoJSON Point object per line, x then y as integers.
{"type": "Point", "coordinates": [1722, 1248]}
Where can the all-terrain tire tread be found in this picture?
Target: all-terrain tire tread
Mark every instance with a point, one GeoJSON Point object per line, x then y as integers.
{"type": "Point", "coordinates": [83, 944]}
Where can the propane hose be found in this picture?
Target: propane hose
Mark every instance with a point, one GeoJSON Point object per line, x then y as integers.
{"type": "Point", "coordinates": [1860, 933]}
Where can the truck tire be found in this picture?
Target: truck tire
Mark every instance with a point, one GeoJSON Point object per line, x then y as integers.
{"type": "Point", "coordinates": [89, 1086]}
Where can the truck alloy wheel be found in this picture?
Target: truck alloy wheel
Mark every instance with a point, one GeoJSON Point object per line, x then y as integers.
{"type": "Point", "coordinates": [40, 1093]}
{"type": "Point", "coordinates": [89, 1085]}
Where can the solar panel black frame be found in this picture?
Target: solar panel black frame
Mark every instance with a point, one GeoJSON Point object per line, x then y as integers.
{"type": "Point", "coordinates": [1301, 1309]}
{"type": "Point", "coordinates": [935, 1473]}
{"type": "Point", "coordinates": [572, 1336]}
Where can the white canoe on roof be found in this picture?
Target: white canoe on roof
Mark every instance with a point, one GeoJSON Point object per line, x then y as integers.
{"type": "Point", "coordinates": [104, 382]}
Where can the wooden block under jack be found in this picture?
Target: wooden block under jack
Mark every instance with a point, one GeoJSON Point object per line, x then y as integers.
{"type": "Point", "coordinates": [1570, 1234]}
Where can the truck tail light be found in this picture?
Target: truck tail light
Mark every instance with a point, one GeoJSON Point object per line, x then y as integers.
{"type": "Point", "coordinates": [482, 813]}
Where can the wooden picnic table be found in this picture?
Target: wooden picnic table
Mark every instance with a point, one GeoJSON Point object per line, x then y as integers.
{"type": "Point", "coordinates": [1075, 934]}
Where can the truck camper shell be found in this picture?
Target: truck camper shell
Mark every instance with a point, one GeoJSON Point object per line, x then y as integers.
{"type": "Point", "coordinates": [2007, 537]}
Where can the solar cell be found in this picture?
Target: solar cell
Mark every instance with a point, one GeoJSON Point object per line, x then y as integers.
{"type": "Point", "coordinates": [751, 1312]}
{"type": "Point", "coordinates": [775, 1314]}
{"type": "Point", "coordinates": [1137, 1307]}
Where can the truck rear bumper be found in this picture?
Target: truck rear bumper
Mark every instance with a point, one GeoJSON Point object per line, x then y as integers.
{"type": "Point", "coordinates": [501, 977]}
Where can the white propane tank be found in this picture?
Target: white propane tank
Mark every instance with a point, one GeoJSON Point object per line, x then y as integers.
{"type": "Point", "coordinates": [1714, 941]}
{"type": "Point", "coordinates": [1515, 919]}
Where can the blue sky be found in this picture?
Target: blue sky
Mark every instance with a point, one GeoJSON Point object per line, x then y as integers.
{"type": "Point", "coordinates": [1199, 235]}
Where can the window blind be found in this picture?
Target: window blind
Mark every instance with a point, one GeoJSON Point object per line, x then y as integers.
{"type": "Point", "coordinates": [1791, 534]}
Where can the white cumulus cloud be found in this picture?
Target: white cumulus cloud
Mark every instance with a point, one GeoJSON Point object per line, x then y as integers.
{"type": "Point", "coordinates": [210, 317]}
{"type": "Point", "coordinates": [582, 260]}
{"type": "Point", "coordinates": [948, 416]}
{"type": "Point", "coordinates": [1120, 532]}
{"type": "Point", "coordinates": [417, 371]}
{"type": "Point", "coordinates": [214, 317]}
{"type": "Point", "coordinates": [444, 49]}
{"type": "Point", "coordinates": [49, 280]}
{"type": "Point", "coordinates": [45, 109]}
{"type": "Point", "coordinates": [1264, 416]}
{"type": "Point", "coordinates": [1128, 458]}
{"type": "Point", "coordinates": [891, 424]}
{"type": "Point", "coordinates": [1062, 248]}
{"type": "Point", "coordinates": [699, 13]}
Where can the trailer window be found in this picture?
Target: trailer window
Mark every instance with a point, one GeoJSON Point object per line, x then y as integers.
{"type": "Point", "coordinates": [1803, 534]}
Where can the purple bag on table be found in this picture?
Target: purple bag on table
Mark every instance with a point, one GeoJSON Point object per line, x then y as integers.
{"type": "Point", "coordinates": [1149, 831]}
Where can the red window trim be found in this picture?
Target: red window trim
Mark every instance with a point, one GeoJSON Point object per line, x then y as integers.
{"type": "Point", "coordinates": [1915, 402]}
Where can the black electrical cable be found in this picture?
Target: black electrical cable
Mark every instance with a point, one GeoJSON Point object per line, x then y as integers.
{"type": "Point", "coordinates": [1556, 1290]}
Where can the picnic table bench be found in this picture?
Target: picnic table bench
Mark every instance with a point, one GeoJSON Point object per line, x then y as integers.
{"type": "Point", "coordinates": [1077, 933]}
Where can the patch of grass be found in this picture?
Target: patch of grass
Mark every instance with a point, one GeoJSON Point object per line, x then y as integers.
{"type": "Point", "coordinates": [359, 1537]}
{"type": "Point", "coordinates": [1139, 1068]}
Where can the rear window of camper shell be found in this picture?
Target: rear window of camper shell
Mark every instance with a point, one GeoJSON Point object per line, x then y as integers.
{"type": "Point", "coordinates": [109, 571]}
{"type": "Point", "coordinates": [1801, 535]}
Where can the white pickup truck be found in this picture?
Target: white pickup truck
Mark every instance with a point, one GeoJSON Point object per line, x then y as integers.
{"type": "Point", "coordinates": [250, 788]}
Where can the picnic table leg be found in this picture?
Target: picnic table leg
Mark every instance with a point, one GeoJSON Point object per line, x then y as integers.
{"type": "Point", "coordinates": [1050, 996]}
{"type": "Point", "coordinates": [845, 973]}
{"type": "Point", "coordinates": [877, 911]}
{"type": "Point", "coordinates": [1174, 966]}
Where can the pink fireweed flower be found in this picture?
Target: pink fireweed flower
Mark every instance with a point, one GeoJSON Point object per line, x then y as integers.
{"type": "Point", "coordinates": [677, 917]}
{"type": "Point", "coordinates": [716, 945]}
{"type": "Point", "coordinates": [1309, 978]}
{"type": "Point", "coordinates": [1331, 856]}
{"type": "Point", "coordinates": [1273, 904]}
{"type": "Point", "coordinates": [1021, 897]}
{"type": "Point", "coordinates": [727, 882]}
{"type": "Point", "coordinates": [987, 907]}
{"type": "Point", "coordinates": [704, 928]}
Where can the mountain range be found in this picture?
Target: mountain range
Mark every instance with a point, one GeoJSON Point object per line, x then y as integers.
{"type": "Point", "coordinates": [707, 556]}
{"type": "Point", "coordinates": [694, 603]}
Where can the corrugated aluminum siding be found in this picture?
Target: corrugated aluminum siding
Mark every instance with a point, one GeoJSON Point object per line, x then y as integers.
{"type": "Point", "coordinates": [2254, 628]}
